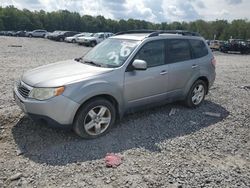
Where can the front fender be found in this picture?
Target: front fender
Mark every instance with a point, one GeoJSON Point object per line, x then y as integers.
{"type": "Point", "coordinates": [85, 91]}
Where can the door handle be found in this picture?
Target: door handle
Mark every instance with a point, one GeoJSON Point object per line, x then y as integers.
{"type": "Point", "coordinates": [194, 66]}
{"type": "Point", "coordinates": [163, 72]}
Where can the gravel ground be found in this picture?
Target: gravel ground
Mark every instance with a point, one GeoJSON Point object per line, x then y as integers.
{"type": "Point", "coordinates": [186, 149]}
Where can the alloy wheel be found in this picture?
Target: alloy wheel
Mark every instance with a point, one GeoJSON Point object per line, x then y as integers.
{"type": "Point", "coordinates": [97, 120]}
{"type": "Point", "coordinates": [198, 94]}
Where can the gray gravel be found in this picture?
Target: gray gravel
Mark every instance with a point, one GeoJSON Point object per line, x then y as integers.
{"type": "Point", "coordinates": [190, 148]}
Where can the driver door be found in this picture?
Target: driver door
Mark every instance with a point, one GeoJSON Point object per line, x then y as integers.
{"type": "Point", "coordinates": [147, 86]}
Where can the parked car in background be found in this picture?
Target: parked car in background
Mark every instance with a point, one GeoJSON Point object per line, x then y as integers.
{"type": "Point", "coordinates": [95, 39]}
{"type": "Point", "coordinates": [20, 34]}
{"type": "Point", "coordinates": [10, 33]}
{"type": "Point", "coordinates": [123, 73]}
{"type": "Point", "coordinates": [36, 33]}
{"type": "Point", "coordinates": [50, 34]}
{"type": "Point", "coordinates": [80, 39]}
{"type": "Point", "coordinates": [2, 33]}
{"type": "Point", "coordinates": [74, 38]}
{"type": "Point", "coordinates": [60, 36]}
{"type": "Point", "coordinates": [236, 45]}
{"type": "Point", "coordinates": [214, 44]}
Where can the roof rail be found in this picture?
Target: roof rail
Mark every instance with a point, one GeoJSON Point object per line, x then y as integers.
{"type": "Point", "coordinates": [154, 33]}
{"type": "Point", "coordinates": [135, 31]}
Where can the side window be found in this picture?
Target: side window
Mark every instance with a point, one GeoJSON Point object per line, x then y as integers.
{"type": "Point", "coordinates": [153, 53]}
{"type": "Point", "coordinates": [199, 48]}
{"type": "Point", "coordinates": [178, 50]}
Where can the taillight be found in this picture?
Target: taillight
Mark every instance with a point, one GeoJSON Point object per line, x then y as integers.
{"type": "Point", "coordinates": [213, 61]}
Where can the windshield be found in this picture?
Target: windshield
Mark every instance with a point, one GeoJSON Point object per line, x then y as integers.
{"type": "Point", "coordinates": [111, 52]}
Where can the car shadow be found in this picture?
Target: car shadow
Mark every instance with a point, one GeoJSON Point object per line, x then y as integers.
{"type": "Point", "coordinates": [143, 129]}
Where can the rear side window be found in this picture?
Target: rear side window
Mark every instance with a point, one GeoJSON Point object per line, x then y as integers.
{"type": "Point", "coordinates": [199, 48]}
{"type": "Point", "coordinates": [178, 50]}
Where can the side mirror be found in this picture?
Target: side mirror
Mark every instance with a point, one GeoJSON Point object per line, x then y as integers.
{"type": "Point", "coordinates": [139, 64]}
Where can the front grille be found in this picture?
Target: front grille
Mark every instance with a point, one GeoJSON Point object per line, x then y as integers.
{"type": "Point", "coordinates": [24, 91]}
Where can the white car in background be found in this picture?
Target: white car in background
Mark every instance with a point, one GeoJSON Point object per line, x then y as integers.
{"type": "Point", "coordinates": [95, 39]}
{"type": "Point", "coordinates": [73, 39]}
{"type": "Point", "coordinates": [80, 39]}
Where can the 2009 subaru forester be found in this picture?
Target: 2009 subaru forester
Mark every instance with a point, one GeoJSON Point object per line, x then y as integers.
{"type": "Point", "coordinates": [126, 71]}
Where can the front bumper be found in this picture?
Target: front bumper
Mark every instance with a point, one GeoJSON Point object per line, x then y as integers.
{"type": "Point", "coordinates": [57, 110]}
{"type": "Point", "coordinates": [68, 40]}
{"type": "Point", "coordinates": [83, 42]}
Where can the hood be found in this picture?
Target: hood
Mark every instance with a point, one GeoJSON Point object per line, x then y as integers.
{"type": "Point", "coordinates": [61, 73]}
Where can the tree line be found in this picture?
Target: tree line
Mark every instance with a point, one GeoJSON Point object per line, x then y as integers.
{"type": "Point", "coordinates": [15, 19]}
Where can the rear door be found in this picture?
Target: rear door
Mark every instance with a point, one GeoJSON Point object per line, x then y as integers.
{"type": "Point", "coordinates": [147, 86]}
{"type": "Point", "coordinates": [181, 65]}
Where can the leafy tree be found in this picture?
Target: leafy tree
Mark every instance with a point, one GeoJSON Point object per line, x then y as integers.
{"type": "Point", "coordinates": [12, 18]}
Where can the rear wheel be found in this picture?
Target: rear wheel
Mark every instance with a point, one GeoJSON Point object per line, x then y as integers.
{"type": "Point", "coordinates": [30, 35]}
{"type": "Point", "coordinates": [196, 94]}
{"type": "Point", "coordinates": [61, 39]}
{"type": "Point", "coordinates": [95, 118]}
{"type": "Point", "coordinates": [74, 41]}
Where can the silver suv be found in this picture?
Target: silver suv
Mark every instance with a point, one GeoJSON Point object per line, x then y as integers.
{"type": "Point", "coordinates": [37, 33]}
{"type": "Point", "coordinates": [123, 73]}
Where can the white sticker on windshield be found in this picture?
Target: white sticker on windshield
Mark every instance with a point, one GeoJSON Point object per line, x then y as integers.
{"type": "Point", "coordinates": [125, 51]}
{"type": "Point", "coordinates": [113, 56]}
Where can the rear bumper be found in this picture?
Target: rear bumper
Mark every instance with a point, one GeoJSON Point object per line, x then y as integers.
{"type": "Point", "coordinates": [58, 110]}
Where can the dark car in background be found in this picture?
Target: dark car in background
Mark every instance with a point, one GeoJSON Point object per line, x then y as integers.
{"type": "Point", "coordinates": [60, 36]}
{"type": "Point", "coordinates": [2, 33]}
{"type": "Point", "coordinates": [20, 34]}
{"type": "Point", "coordinates": [10, 33]}
{"type": "Point", "coordinates": [236, 45]}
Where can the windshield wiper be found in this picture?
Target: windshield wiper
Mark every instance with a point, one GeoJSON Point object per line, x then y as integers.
{"type": "Point", "coordinates": [80, 59]}
{"type": "Point", "coordinates": [92, 63]}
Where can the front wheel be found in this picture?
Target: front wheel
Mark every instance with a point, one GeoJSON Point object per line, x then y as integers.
{"type": "Point", "coordinates": [95, 118]}
{"type": "Point", "coordinates": [196, 94]}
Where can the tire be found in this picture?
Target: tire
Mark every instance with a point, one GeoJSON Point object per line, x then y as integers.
{"type": "Point", "coordinates": [61, 39]}
{"type": "Point", "coordinates": [73, 41]}
{"type": "Point", "coordinates": [192, 101]}
{"type": "Point", "coordinates": [30, 35]}
{"type": "Point", "coordinates": [91, 112]}
{"type": "Point", "coordinates": [92, 44]}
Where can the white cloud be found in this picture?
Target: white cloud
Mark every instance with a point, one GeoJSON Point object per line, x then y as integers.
{"type": "Point", "coordinates": [150, 10]}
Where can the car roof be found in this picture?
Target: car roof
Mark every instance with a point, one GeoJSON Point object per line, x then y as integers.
{"type": "Point", "coordinates": [142, 36]}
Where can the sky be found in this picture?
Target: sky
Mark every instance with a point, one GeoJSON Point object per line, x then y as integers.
{"type": "Point", "coordinates": [150, 10]}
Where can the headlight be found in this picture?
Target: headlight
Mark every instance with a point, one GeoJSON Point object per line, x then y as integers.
{"type": "Point", "coordinates": [45, 93]}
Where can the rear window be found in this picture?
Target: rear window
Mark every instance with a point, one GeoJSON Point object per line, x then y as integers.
{"type": "Point", "coordinates": [178, 50]}
{"type": "Point", "coordinates": [199, 48]}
